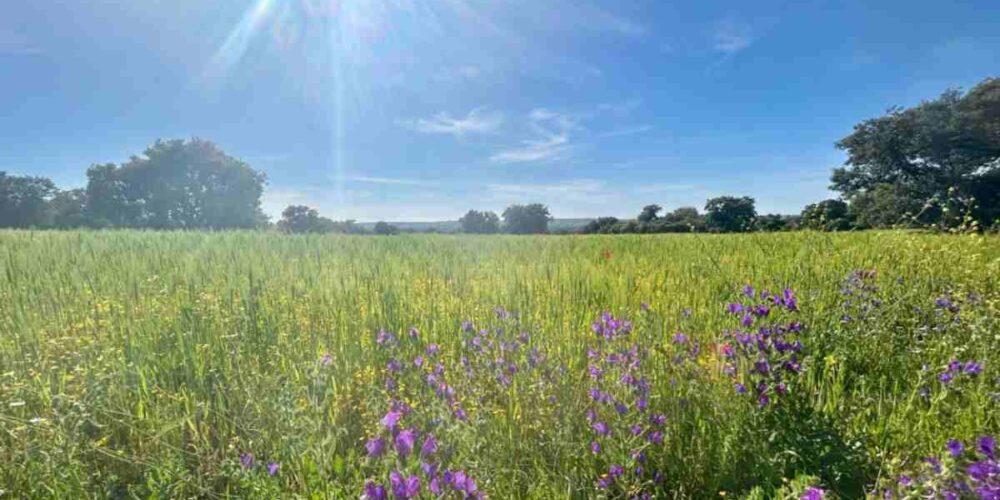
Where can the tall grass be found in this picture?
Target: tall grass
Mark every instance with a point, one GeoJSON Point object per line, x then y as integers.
{"type": "Point", "coordinates": [142, 364]}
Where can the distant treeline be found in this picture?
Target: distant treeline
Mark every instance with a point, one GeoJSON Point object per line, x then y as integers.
{"type": "Point", "coordinates": [934, 165]}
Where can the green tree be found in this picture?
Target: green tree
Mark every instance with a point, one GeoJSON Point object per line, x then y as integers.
{"type": "Point", "coordinates": [774, 223]}
{"type": "Point", "coordinates": [885, 206]}
{"type": "Point", "coordinates": [177, 184]}
{"type": "Point", "coordinates": [303, 219]}
{"type": "Point", "coordinates": [24, 199]}
{"type": "Point", "coordinates": [827, 215]}
{"type": "Point", "coordinates": [649, 213]}
{"type": "Point", "coordinates": [601, 225]}
{"type": "Point", "coordinates": [66, 209]}
{"type": "Point", "coordinates": [730, 214]}
{"type": "Point", "coordinates": [686, 216]}
{"type": "Point", "coordinates": [384, 228]}
{"type": "Point", "coordinates": [950, 142]}
{"type": "Point", "coordinates": [526, 219]}
{"type": "Point", "coordinates": [476, 222]}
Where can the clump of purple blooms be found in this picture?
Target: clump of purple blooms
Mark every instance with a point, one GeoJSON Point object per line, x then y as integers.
{"type": "Point", "coordinates": [411, 452]}
{"type": "Point", "coordinates": [964, 471]}
{"type": "Point", "coordinates": [623, 429]}
{"type": "Point", "coordinates": [958, 369]}
{"type": "Point", "coordinates": [764, 351]}
{"type": "Point", "coordinates": [861, 295]}
{"type": "Point", "coordinates": [249, 462]}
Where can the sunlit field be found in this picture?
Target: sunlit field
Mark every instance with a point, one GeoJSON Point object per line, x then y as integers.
{"type": "Point", "coordinates": [259, 365]}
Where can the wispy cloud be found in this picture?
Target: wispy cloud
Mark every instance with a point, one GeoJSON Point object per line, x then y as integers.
{"type": "Point", "coordinates": [641, 129]}
{"type": "Point", "coordinates": [552, 141]}
{"type": "Point", "coordinates": [478, 121]}
{"type": "Point", "coordinates": [731, 36]}
{"type": "Point", "coordinates": [390, 181]}
{"type": "Point", "coordinates": [15, 44]}
{"type": "Point", "coordinates": [573, 187]}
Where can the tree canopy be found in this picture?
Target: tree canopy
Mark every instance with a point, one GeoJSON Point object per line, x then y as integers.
{"type": "Point", "coordinates": [952, 142]}
{"type": "Point", "coordinates": [476, 222]}
{"type": "Point", "coordinates": [526, 219]}
{"type": "Point", "coordinates": [177, 184]}
{"type": "Point", "coordinates": [730, 214]}
{"type": "Point", "coordinates": [24, 199]}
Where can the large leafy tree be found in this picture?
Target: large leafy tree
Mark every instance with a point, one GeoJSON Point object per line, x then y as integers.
{"type": "Point", "coordinates": [476, 222]}
{"type": "Point", "coordinates": [827, 215]}
{"type": "Point", "coordinates": [526, 219]}
{"type": "Point", "coordinates": [649, 213]}
{"type": "Point", "coordinates": [730, 214]}
{"type": "Point", "coordinates": [66, 209]}
{"type": "Point", "coordinates": [952, 142]}
{"type": "Point", "coordinates": [24, 199]}
{"type": "Point", "coordinates": [177, 184]}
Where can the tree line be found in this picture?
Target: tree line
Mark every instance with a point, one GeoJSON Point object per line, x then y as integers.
{"type": "Point", "coordinates": [934, 165]}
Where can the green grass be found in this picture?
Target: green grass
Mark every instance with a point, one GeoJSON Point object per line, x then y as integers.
{"type": "Point", "coordinates": [141, 364]}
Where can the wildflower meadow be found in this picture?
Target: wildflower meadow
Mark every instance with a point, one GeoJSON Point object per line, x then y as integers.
{"type": "Point", "coordinates": [260, 365]}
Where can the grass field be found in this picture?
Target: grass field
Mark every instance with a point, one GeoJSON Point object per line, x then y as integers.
{"type": "Point", "coordinates": [174, 365]}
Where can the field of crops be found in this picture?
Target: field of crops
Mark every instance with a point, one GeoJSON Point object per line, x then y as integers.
{"type": "Point", "coordinates": [258, 365]}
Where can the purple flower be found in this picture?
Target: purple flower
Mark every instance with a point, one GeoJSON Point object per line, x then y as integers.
{"type": "Point", "coordinates": [326, 359]}
{"type": "Point", "coordinates": [734, 308]}
{"type": "Point", "coordinates": [955, 447]}
{"type": "Point", "coordinates": [374, 491]}
{"type": "Point", "coordinates": [621, 408]}
{"type": "Point", "coordinates": [601, 429]}
{"type": "Point", "coordinates": [973, 368]}
{"type": "Point", "coordinates": [595, 447]}
{"type": "Point", "coordinates": [404, 487]}
{"type": "Point", "coordinates": [434, 486]}
{"type": "Point", "coordinates": [615, 470]}
{"type": "Point", "coordinates": [375, 447]}
{"type": "Point", "coordinates": [604, 482]}
{"type": "Point", "coordinates": [414, 333]}
{"type": "Point", "coordinates": [460, 414]}
{"type": "Point", "coordinates": [748, 291]}
{"type": "Point", "coordinates": [418, 361]}
{"type": "Point", "coordinates": [636, 430]}
{"type": "Point", "coordinates": [247, 460]}
{"type": "Point", "coordinates": [763, 400]}
{"type": "Point", "coordinates": [655, 437]}
{"type": "Point", "coordinates": [987, 446]}
{"type": "Point", "coordinates": [405, 441]}
{"type": "Point", "coordinates": [429, 469]}
{"type": "Point", "coordinates": [813, 493]}
{"type": "Point", "coordinates": [680, 338]}
{"type": "Point", "coordinates": [272, 468]}
{"type": "Point", "coordinates": [391, 419]}
{"type": "Point", "coordinates": [429, 447]}
{"type": "Point", "coordinates": [740, 388]}
{"type": "Point", "coordinates": [658, 419]}
{"type": "Point", "coordinates": [747, 320]}
{"type": "Point", "coordinates": [946, 377]}
{"type": "Point", "coordinates": [904, 480]}
{"type": "Point", "coordinates": [433, 349]}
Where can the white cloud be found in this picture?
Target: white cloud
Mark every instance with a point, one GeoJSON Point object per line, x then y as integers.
{"type": "Point", "coordinates": [552, 142]}
{"type": "Point", "coordinates": [478, 121]}
{"type": "Point", "coordinates": [730, 36]}
{"type": "Point", "coordinates": [574, 187]}
{"type": "Point", "coordinates": [390, 180]}
{"type": "Point", "coordinates": [641, 129]}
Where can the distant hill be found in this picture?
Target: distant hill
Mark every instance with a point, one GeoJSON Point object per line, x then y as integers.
{"type": "Point", "coordinates": [452, 226]}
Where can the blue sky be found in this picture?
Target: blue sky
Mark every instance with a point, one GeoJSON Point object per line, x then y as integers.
{"type": "Point", "coordinates": [423, 109]}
